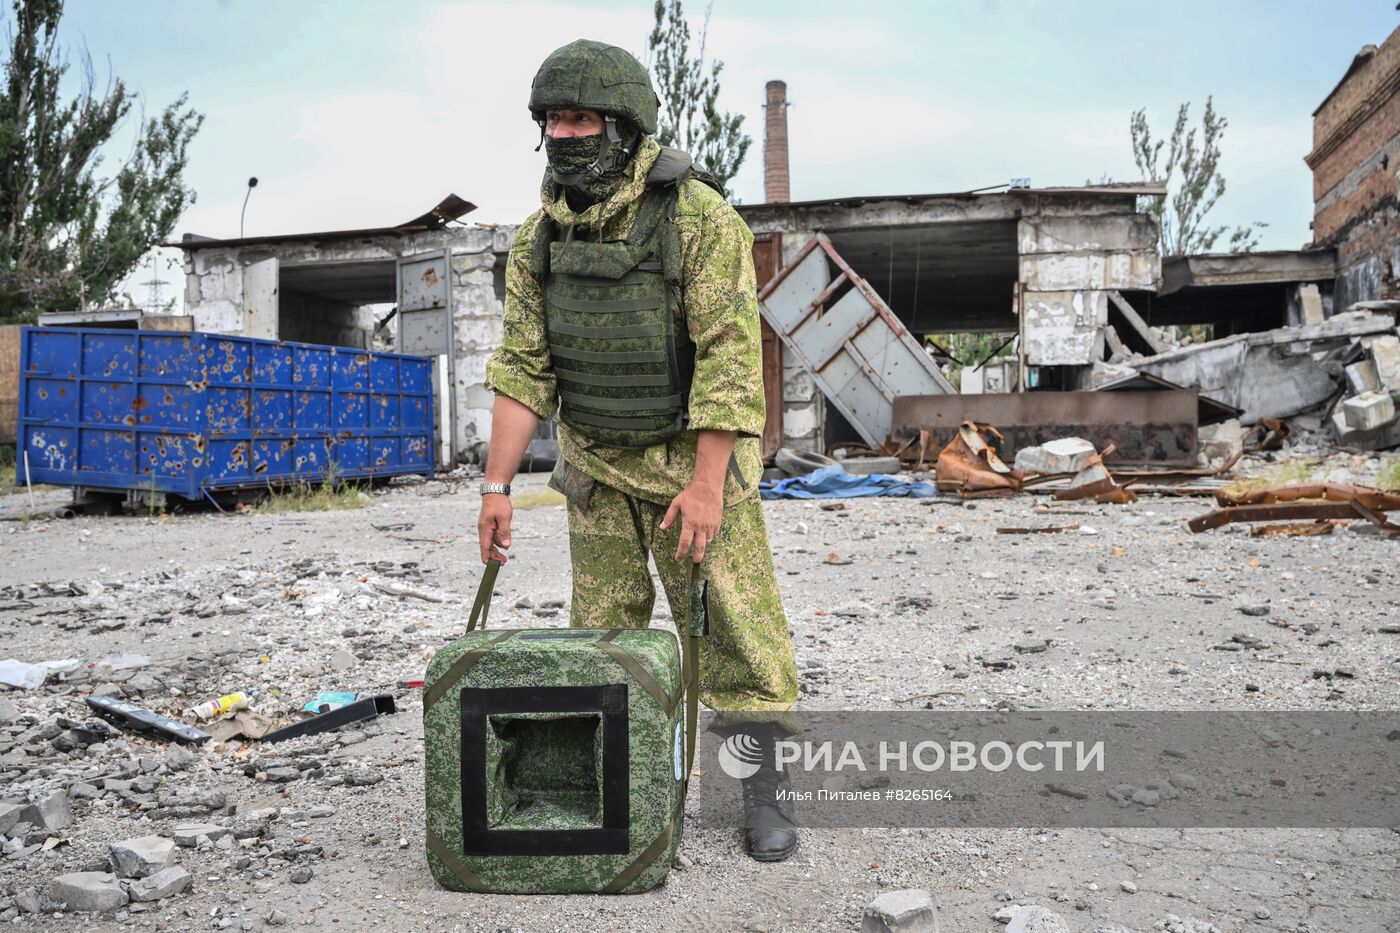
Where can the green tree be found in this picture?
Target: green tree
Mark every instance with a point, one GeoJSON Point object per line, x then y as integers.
{"type": "Point", "coordinates": [1194, 183]}
{"type": "Point", "coordinates": [690, 117]}
{"type": "Point", "coordinates": [68, 236]}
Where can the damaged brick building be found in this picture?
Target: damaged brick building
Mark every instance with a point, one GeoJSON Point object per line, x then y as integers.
{"type": "Point", "coordinates": [1355, 161]}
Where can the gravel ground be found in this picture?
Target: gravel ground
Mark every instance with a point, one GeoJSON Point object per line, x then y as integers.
{"type": "Point", "coordinates": [1133, 605]}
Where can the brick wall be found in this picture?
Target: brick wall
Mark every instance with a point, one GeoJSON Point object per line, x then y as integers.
{"type": "Point", "coordinates": [1356, 175]}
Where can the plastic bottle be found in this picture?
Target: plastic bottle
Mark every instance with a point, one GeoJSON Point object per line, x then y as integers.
{"type": "Point", "coordinates": [212, 708]}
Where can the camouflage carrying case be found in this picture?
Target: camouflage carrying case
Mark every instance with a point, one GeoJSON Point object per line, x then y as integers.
{"type": "Point", "coordinates": [557, 759]}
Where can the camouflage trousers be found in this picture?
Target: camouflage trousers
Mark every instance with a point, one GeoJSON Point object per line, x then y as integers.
{"type": "Point", "coordinates": [747, 661]}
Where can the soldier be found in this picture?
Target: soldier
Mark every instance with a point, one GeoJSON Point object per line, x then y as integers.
{"type": "Point", "coordinates": [631, 307]}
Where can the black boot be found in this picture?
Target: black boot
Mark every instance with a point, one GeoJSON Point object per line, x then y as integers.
{"type": "Point", "coordinates": [770, 831]}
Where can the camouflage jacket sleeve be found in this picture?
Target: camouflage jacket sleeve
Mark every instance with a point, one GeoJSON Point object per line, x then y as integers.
{"type": "Point", "coordinates": [720, 301]}
{"type": "Point", "coordinates": [521, 367]}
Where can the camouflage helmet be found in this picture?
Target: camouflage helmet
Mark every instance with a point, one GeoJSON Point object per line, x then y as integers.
{"type": "Point", "coordinates": [588, 75]}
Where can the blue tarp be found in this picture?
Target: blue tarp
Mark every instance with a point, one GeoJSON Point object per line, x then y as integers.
{"type": "Point", "coordinates": [833, 482]}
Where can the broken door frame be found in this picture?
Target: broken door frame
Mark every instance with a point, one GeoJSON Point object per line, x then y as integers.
{"type": "Point", "coordinates": [445, 358]}
{"type": "Point", "coordinates": [878, 311]}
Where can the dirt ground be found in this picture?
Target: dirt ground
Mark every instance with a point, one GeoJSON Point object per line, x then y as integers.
{"type": "Point", "coordinates": [1133, 604]}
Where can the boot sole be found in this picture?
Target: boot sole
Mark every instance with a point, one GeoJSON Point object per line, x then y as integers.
{"type": "Point", "coordinates": [773, 856]}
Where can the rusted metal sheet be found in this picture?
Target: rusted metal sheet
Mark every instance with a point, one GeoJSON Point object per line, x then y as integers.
{"type": "Point", "coordinates": [1302, 501]}
{"type": "Point", "coordinates": [425, 304]}
{"type": "Point", "coordinates": [842, 332]}
{"type": "Point", "coordinates": [1157, 427]}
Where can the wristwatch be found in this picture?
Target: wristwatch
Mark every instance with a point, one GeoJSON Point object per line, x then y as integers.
{"type": "Point", "coordinates": [502, 488]}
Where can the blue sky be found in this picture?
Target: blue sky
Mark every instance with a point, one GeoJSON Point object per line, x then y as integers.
{"type": "Point", "coordinates": [355, 113]}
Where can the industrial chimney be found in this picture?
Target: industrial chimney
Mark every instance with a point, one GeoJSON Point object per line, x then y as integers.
{"type": "Point", "coordinates": [775, 145]}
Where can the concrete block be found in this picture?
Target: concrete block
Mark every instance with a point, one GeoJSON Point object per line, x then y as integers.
{"type": "Point", "coordinates": [1362, 377]}
{"type": "Point", "coordinates": [1222, 441]}
{"type": "Point", "coordinates": [1385, 354]}
{"type": "Point", "coordinates": [187, 835]}
{"type": "Point", "coordinates": [1060, 326]}
{"type": "Point", "coordinates": [88, 891]}
{"type": "Point", "coordinates": [51, 811]}
{"type": "Point", "coordinates": [1311, 300]}
{"type": "Point", "coordinates": [1369, 410]}
{"type": "Point", "coordinates": [908, 911]}
{"type": "Point", "coordinates": [140, 858]}
{"type": "Point", "coordinates": [9, 816]}
{"type": "Point", "coordinates": [165, 883]}
{"type": "Point", "coordinates": [1063, 455]}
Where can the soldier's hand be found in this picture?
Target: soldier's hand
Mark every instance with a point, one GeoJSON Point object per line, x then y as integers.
{"type": "Point", "coordinates": [700, 509]}
{"type": "Point", "coordinates": [493, 527]}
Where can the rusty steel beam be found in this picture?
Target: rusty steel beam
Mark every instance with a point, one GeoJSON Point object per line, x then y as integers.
{"type": "Point", "coordinates": [1148, 426]}
{"type": "Point", "coordinates": [1276, 512]}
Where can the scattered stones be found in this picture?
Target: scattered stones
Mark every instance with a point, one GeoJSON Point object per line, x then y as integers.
{"type": "Point", "coordinates": [52, 811]}
{"type": "Point", "coordinates": [89, 891]}
{"type": "Point", "coordinates": [165, 883]}
{"type": "Point", "coordinates": [342, 660]}
{"type": "Point", "coordinates": [911, 910]}
{"type": "Point", "coordinates": [1035, 919]}
{"type": "Point", "coordinates": [362, 777]}
{"type": "Point", "coordinates": [187, 835]}
{"type": "Point", "coordinates": [1128, 887]}
{"type": "Point", "coordinates": [177, 757]}
{"type": "Point", "coordinates": [140, 858]}
{"type": "Point", "coordinates": [300, 875]}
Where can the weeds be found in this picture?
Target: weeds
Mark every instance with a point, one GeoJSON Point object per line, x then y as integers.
{"type": "Point", "coordinates": [331, 494]}
{"type": "Point", "coordinates": [1295, 471]}
{"type": "Point", "coordinates": [1390, 476]}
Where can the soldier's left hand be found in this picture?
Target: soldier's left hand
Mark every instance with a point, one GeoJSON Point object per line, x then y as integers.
{"type": "Point", "coordinates": [700, 508]}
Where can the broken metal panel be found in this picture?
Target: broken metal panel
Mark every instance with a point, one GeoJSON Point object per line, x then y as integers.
{"type": "Point", "coordinates": [857, 351]}
{"type": "Point", "coordinates": [1061, 328]}
{"type": "Point", "coordinates": [1148, 426]}
{"type": "Point", "coordinates": [260, 304]}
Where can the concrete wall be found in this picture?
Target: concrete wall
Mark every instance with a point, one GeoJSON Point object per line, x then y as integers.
{"type": "Point", "coordinates": [1067, 266]}
{"type": "Point", "coordinates": [214, 296]}
{"type": "Point", "coordinates": [314, 319]}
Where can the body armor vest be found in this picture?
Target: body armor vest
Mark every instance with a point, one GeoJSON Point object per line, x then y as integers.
{"type": "Point", "coordinates": [622, 355]}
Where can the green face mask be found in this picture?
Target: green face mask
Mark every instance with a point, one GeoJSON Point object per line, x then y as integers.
{"type": "Point", "coordinates": [573, 155]}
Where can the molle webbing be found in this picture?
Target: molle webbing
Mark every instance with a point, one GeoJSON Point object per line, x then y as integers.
{"type": "Point", "coordinates": [622, 360]}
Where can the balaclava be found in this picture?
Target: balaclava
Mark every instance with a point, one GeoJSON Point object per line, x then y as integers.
{"type": "Point", "coordinates": [574, 155]}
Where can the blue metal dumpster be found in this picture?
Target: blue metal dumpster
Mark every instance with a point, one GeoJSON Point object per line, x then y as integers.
{"type": "Point", "coordinates": [192, 414]}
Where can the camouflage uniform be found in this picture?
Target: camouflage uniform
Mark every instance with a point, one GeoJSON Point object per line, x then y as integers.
{"type": "Point", "coordinates": [617, 497]}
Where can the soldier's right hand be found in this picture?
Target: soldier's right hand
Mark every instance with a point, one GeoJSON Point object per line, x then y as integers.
{"type": "Point", "coordinates": [493, 527]}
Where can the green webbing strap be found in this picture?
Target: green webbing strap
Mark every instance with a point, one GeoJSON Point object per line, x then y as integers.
{"type": "Point", "coordinates": [591, 379]}
{"type": "Point", "coordinates": [649, 855]}
{"type": "Point", "coordinates": [646, 403]}
{"type": "Point", "coordinates": [454, 864]}
{"type": "Point", "coordinates": [699, 625]}
{"type": "Point", "coordinates": [606, 421]}
{"type": "Point", "coordinates": [607, 306]}
{"type": "Point", "coordinates": [484, 589]}
{"type": "Point", "coordinates": [591, 281]}
{"type": "Point", "coordinates": [640, 674]}
{"type": "Point", "coordinates": [609, 356]}
{"type": "Point", "coordinates": [624, 330]}
{"type": "Point", "coordinates": [459, 669]}
{"type": "Point", "coordinates": [480, 609]}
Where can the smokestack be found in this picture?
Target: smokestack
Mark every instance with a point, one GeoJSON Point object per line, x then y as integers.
{"type": "Point", "coordinates": [775, 145]}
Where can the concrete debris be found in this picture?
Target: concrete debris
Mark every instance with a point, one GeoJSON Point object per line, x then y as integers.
{"type": "Point", "coordinates": [1064, 455]}
{"type": "Point", "coordinates": [908, 911]}
{"type": "Point", "coordinates": [138, 858]}
{"type": "Point", "coordinates": [1369, 410]}
{"type": "Point", "coordinates": [51, 811]}
{"type": "Point", "coordinates": [165, 883]}
{"type": "Point", "coordinates": [1035, 919]}
{"type": "Point", "coordinates": [88, 891]}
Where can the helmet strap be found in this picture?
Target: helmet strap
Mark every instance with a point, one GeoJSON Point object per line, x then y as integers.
{"type": "Point", "coordinates": [541, 123]}
{"type": "Point", "coordinates": [611, 156]}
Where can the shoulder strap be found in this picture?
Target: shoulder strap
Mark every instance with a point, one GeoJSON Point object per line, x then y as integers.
{"type": "Point", "coordinates": [482, 606]}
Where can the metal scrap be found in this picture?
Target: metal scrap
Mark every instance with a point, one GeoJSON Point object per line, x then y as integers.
{"type": "Point", "coordinates": [1319, 501]}
{"type": "Point", "coordinates": [969, 465]}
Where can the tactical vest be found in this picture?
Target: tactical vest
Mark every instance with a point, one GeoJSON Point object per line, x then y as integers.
{"type": "Point", "coordinates": [621, 352]}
